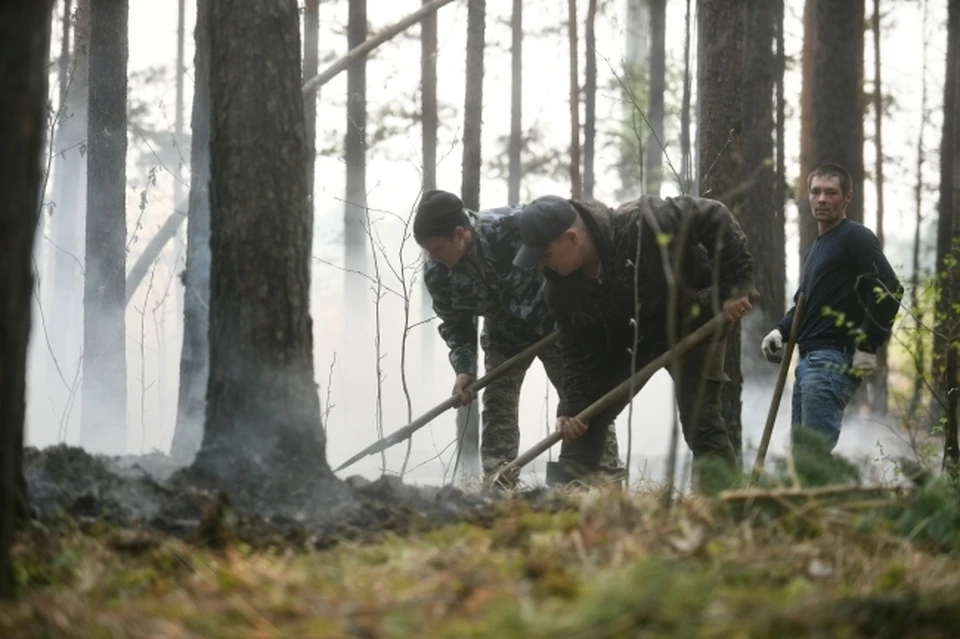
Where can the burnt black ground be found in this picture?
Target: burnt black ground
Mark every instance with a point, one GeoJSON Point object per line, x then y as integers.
{"type": "Point", "coordinates": [68, 484]}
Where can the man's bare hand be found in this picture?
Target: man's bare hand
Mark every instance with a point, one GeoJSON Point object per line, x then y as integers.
{"type": "Point", "coordinates": [735, 309]}
{"type": "Point", "coordinates": [463, 394]}
{"type": "Point", "coordinates": [571, 428]}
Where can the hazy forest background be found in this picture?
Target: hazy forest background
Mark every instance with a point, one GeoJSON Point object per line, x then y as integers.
{"type": "Point", "coordinates": [225, 304]}
{"type": "Point", "coordinates": [377, 364]}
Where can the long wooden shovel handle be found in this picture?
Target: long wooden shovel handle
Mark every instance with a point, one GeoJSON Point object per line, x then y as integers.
{"type": "Point", "coordinates": [614, 395]}
{"type": "Point", "coordinates": [778, 389]}
{"type": "Point", "coordinates": [403, 433]}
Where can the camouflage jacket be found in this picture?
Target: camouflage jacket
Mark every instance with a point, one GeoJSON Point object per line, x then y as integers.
{"type": "Point", "coordinates": [595, 316]}
{"type": "Point", "coordinates": [485, 283]}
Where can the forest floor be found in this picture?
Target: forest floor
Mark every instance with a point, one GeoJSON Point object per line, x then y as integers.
{"type": "Point", "coordinates": [115, 552]}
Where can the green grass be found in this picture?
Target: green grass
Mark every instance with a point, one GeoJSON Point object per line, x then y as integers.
{"type": "Point", "coordinates": [609, 565]}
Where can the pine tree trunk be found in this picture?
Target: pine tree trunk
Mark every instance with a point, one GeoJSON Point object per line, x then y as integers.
{"type": "Point", "coordinates": [468, 422]}
{"type": "Point", "coordinates": [686, 157]}
{"type": "Point", "coordinates": [516, 103]}
{"type": "Point", "coordinates": [836, 98]}
{"type": "Point", "coordinates": [473, 104]}
{"type": "Point", "coordinates": [263, 436]}
{"type": "Point", "coordinates": [590, 99]}
{"type": "Point", "coordinates": [195, 351]}
{"type": "Point", "coordinates": [24, 43]}
{"type": "Point", "coordinates": [658, 67]}
{"type": "Point", "coordinates": [759, 216]}
{"type": "Point", "coordinates": [951, 445]}
{"type": "Point", "coordinates": [919, 341]}
{"type": "Point", "coordinates": [720, 67]}
{"type": "Point", "coordinates": [428, 98]}
{"type": "Point", "coordinates": [805, 220]}
{"type": "Point", "coordinates": [429, 123]}
{"type": "Point", "coordinates": [879, 392]}
{"type": "Point", "coordinates": [576, 182]}
{"type": "Point", "coordinates": [781, 192]}
{"type": "Point", "coordinates": [178, 116]}
{"type": "Point", "coordinates": [311, 44]}
{"type": "Point", "coordinates": [104, 413]}
{"type": "Point", "coordinates": [943, 317]}
{"type": "Point", "coordinates": [355, 144]}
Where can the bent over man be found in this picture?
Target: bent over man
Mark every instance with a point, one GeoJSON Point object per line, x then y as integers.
{"type": "Point", "coordinates": [605, 277]}
{"type": "Point", "coordinates": [470, 273]}
{"type": "Point", "coordinates": [852, 298]}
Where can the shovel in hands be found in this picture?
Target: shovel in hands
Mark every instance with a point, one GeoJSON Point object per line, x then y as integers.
{"type": "Point", "coordinates": [717, 323]}
{"type": "Point", "coordinates": [407, 431]}
{"type": "Point", "coordinates": [778, 389]}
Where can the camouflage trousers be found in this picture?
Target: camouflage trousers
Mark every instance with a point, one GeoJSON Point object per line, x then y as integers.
{"type": "Point", "coordinates": [698, 392]}
{"type": "Point", "coordinates": [499, 416]}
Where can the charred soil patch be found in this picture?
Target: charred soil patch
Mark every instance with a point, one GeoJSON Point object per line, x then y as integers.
{"type": "Point", "coordinates": [68, 484]}
{"type": "Point", "coordinates": [441, 563]}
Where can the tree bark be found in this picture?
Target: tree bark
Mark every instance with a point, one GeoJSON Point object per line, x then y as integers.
{"type": "Point", "coordinates": [263, 436]}
{"type": "Point", "coordinates": [311, 44]}
{"type": "Point", "coordinates": [24, 43]}
{"type": "Point", "coordinates": [805, 221]}
{"type": "Point", "coordinates": [836, 97]}
{"type": "Point", "coordinates": [781, 193]}
{"type": "Point", "coordinates": [576, 183]}
{"type": "Point", "coordinates": [516, 103]}
{"type": "Point", "coordinates": [428, 98]}
{"type": "Point", "coordinates": [943, 318]}
{"type": "Point", "coordinates": [473, 104]}
{"type": "Point", "coordinates": [590, 99]}
{"type": "Point", "coordinates": [655, 114]}
{"type": "Point", "coordinates": [355, 151]}
{"type": "Point", "coordinates": [104, 386]}
{"type": "Point", "coordinates": [764, 230]}
{"type": "Point", "coordinates": [178, 117]}
{"type": "Point", "coordinates": [195, 351]}
{"type": "Point", "coordinates": [468, 422]}
{"type": "Point", "coordinates": [919, 343]}
{"type": "Point", "coordinates": [429, 124]}
{"type": "Point", "coordinates": [879, 393]}
{"type": "Point", "coordinates": [951, 444]}
{"type": "Point", "coordinates": [686, 157]}
{"type": "Point", "coordinates": [720, 67]}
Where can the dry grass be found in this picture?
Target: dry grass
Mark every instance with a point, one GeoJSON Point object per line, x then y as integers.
{"type": "Point", "coordinates": [609, 565]}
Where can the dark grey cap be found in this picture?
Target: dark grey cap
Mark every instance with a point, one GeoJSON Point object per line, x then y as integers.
{"type": "Point", "coordinates": [541, 222]}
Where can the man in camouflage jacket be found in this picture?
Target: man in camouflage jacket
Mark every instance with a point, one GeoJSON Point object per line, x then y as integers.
{"type": "Point", "coordinates": [470, 273]}
{"type": "Point", "coordinates": [607, 286]}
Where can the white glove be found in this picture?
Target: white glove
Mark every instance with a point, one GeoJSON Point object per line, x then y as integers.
{"type": "Point", "coordinates": [864, 362]}
{"type": "Point", "coordinates": [772, 346]}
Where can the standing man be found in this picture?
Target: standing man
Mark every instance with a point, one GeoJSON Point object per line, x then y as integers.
{"type": "Point", "coordinates": [608, 286]}
{"type": "Point", "coordinates": [852, 298]}
{"type": "Point", "coordinates": [470, 273]}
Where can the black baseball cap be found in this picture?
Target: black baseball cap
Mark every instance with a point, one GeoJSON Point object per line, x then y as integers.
{"type": "Point", "coordinates": [541, 222]}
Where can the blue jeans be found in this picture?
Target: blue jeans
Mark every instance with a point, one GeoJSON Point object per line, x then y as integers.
{"type": "Point", "coordinates": [822, 388]}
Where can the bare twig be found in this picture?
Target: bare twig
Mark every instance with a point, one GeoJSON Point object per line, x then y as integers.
{"type": "Point", "coordinates": [378, 296]}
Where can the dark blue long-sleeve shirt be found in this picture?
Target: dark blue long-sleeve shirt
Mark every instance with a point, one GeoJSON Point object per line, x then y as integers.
{"type": "Point", "coordinates": [840, 274]}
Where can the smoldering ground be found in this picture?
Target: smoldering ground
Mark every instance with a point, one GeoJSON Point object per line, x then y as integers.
{"type": "Point", "coordinates": [67, 484]}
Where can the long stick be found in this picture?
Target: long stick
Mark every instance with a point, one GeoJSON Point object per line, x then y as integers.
{"type": "Point", "coordinates": [370, 44]}
{"type": "Point", "coordinates": [778, 389]}
{"type": "Point", "coordinates": [636, 380]}
{"type": "Point", "coordinates": [403, 433]}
